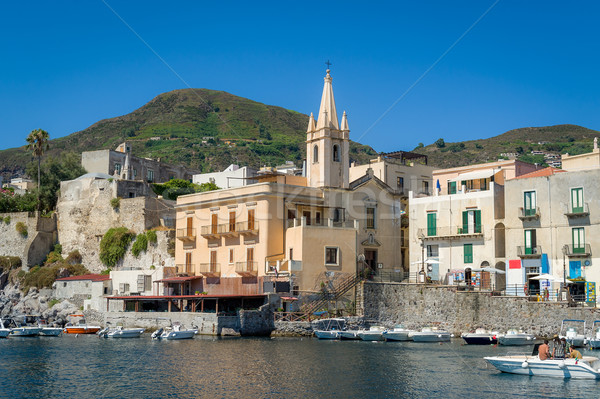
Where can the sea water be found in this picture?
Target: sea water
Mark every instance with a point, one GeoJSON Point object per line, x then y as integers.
{"type": "Point", "coordinates": [208, 367]}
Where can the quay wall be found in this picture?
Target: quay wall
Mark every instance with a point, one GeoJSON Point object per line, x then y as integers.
{"type": "Point", "coordinates": [416, 306]}
{"type": "Point", "coordinates": [207, 323]}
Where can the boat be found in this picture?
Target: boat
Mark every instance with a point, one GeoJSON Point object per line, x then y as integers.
{"type": "Point", "coordinates": [81, 327]}
{"type": "Point", "coordinates": [481, 336]}
{"type": "Point", "coordinates": [398, 333]}
{"type": "Point", "coordinates": [120, 332]}
{"type": "Point", "coordinates": [48, 331]}
{"type": "Point", "coordinates": [571, 334]}
{"type": "Point", "coordinates": [348, 334]}
{"type": "Point", "coordinates": [4, 331]}
{"type": "Point", "coordinates": [431, 334]}
{"type": "Point", "coordinates": [514, 337]}
{"type": "Point", "coordinates": [585, 368]}
{"type": "Point", "coordinates": [174, 332]}
{"type": "Point", "coordinates": [593, 340]}
{"type": "Point", "coordinates": [20, 326]}
{"type": "Point", "coordinates": [374, 333]}
{"type": "Point", "coordinates": [331, 328]}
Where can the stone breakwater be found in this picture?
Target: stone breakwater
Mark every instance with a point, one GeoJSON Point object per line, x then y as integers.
{"type": "Point", "coordinates": [416, 306]}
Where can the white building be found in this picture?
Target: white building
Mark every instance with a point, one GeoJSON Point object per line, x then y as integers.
{"type": "Point", "coordinates": [233, 176]}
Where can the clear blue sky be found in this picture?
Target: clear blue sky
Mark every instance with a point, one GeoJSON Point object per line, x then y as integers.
{"type": "Point", "coordinates": [66, 65]}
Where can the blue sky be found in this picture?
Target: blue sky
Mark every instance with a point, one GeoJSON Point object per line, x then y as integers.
{"type": "Point", "coordinates": [66, 65]}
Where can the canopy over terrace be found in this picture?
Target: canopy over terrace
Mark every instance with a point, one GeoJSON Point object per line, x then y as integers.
{"type": "Point", "coordinates": [180, 285]}
{"type": "Point", "coordinates": [188, 303]}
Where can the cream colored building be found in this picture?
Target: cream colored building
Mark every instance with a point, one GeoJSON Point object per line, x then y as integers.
{"type": "Point", "coordinates": [292, 232]}
{"type": "Point", "coordinates": [590, 160]}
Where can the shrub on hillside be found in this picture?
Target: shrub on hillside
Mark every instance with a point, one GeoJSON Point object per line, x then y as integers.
{"type": "Point", "coordinates": [115, 202]}
{"type": "Point", "coordinates": [7, 220]}
{"type": "Point", "coordinates": [151, 234]}
{"type": "Point", "coordinates": [74, 258]}
{"type": "Point", "coordinates": [45, 276]}
{"type": "Point", "coordinates": [21, 228]}
{"type": "Point", "coordinates": [9, 262]}
{"type": "Point", "coordinates": [113, 245]}
{"type": "Point", "coordinates": [140, 244]}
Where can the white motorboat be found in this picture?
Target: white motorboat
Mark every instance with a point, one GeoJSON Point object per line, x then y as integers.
{"type": "Point", "coordinates": [174, 332]}
{"type": "Point", "coordinates": [593, 339]}
{"type": "Point", "coordinates": [431, 334]}
{"type": "Point", "coordinates": [570, 333]}
{"type": "Point", "coordinates": [374, 333]}
{"type": "Point", "coordinates": [18, 327]}
{"type": "Point", "coordinates": [4, 331]}
{"type": "Point", "coordinates": [329, 328]}
{"type": "Point", "coordinates": [398, 333]}
{"type": "Point", "coordinates": [586, 368]}
{"type": "Point", "coordinates": [48, 331]}
{"type": "Point", "coordinates": [348, 334]}
{"type": "Point", "coordinates": [514, 337]}
{"type": "Point", "coordinates": [481, 336]}
{"type": "Point", "coordinates": [120, 332]}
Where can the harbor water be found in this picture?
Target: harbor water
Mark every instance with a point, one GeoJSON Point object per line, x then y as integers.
{"type": "Point", "coordinates": [208, 367]}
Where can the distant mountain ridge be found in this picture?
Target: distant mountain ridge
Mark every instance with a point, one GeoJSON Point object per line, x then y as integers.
{"type": "Point", "coordinates": [200, 128]}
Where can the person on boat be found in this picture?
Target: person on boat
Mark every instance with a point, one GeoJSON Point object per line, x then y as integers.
{"type": "Point", "coordinates": [560, 348]}
{"type": "Point", "coordinates": [544, 351]}
{"type": "Point", "coordinates": [575, 354]}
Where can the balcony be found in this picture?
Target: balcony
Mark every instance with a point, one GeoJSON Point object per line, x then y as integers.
{"type": "Point", "coordinates": [529, 213]}
{"type": "Point", "coordinates": [450, 233]}
{"type": "Point", "coordinates": [327, 223]}
{"type": "Point", "coordinates": [186, 235]}
{"type": "Point", "coordinates": [277, 267]}
{"type": "Point", "coordinates": [184, 270]}
{"type": "Point", "coordinates": [524, 252]}
{"type": "Point", "coordinates": [229, 230]}
{"type": "Point", "coordinates": [577, 211]}
{"type": "Point", "coordinates": [210, 269]}
{"type": "Point", "coordinates": [247, 228]}
{"type": "Point", "coordinates": [247, 268]}
{"type": "Point", "coordinates": [210, 232]}
{"type": "Point", "coordinates": [578, 251]}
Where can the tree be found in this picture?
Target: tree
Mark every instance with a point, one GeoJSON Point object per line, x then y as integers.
{"type": "Point", "coordinates": [37, 142]}
{"type": "Point", "coordinates": [440, 143]}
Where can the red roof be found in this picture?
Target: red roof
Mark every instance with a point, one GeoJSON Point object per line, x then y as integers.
{"type": "Point", "coordinates": [180, 279]}
{"type": "Point", "coordinates": [166, 297]}
{"type": "Point", "coordinates": [549, 171]}
{"type": "Point", "coordinates": [91, 277]}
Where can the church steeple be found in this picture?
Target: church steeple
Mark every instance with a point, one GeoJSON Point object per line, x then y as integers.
{"type": "Point", "coordinates": [311, 124]}
{"type": "Point", "coordinates": [327, 112]}
{"type": "Point", "coordinates": [344, 123]}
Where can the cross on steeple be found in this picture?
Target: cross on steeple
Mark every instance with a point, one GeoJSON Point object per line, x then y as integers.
{"type": "Point", "coordinates": [328, 64]}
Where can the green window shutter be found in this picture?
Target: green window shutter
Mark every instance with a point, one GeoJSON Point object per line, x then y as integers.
{"type": "Point", "coordinates": [468, 253]}
{"type": "Point", "coordinates": [451, 187]}
{"type": "Point", "coordinates": [577, 199]}
{"type": "Point", "coordinates": [478, 221]}
{"type": "Point", "coordinates": [465, 226]}
{"type": "Point", "coordinates": [431, 224]}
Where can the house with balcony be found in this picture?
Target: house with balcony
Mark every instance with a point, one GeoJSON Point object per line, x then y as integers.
{"type": "Point", "coordinates": [552, 228]}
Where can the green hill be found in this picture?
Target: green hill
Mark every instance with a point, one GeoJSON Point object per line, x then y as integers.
{"type": "Point", "coordinates": [559, 139]}
{"type": "Point", "coordinates": [176, 127]}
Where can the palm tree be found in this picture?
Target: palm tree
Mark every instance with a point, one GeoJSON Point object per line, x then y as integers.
{"type": "Point", "coordinates": [37, 142]}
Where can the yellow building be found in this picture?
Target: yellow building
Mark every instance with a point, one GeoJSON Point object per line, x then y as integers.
{"type": "Point", "coordinates": [292, 233]}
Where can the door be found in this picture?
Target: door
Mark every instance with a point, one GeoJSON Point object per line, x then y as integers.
{"type": "Point", "coordinates": [188, 262]}
{"type": "Point", "coordinates": [530, 244]}
{"type": "Point", "coordinates": [578, 240]}
{"type": "Point", "coordinates": [371, 259]}
{"type": "Point", "coordinates": [250, 219]}
{"type": "Point", "coordinates": [574, 268]}
{"type": "Point", "coordinates": [431, 224]}
{"type": "Point", "coordinates": [213, 223]}
{"type": "Point", "coordinates": [190, 225]}
{"type": "Point", "coordinates": [213, 261]}
{"type": "Point", "coordinates": [577, 200]}
{"type": "Point", "coordinates": [249, 259]}
{"type": "Point", "coordinates": [232, 221]}
{"type": "Point", "coordinates": [529, 203]}
{"type": "Point", "coordinates": [306, 215]}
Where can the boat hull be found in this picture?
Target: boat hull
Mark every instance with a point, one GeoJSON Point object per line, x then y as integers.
{"type": "Point", "coordinates": [25, 331]}
{"type": "Point", "coordinates": [129, 333]}
{"type": "Point", "coordinates": [397, 336]}
{"type": "Point", "coordinates": [172, 335]}
{"type": "Point", "coordinates": [594, 343]}
{"type": "Point", "coordinates": [326, 334]}
{"type": "Point", "coordinates": [51, 331]}
{"type": "Point", "coordinates": [431, 337]}
{"type": "Point", "coordinates": [516, 341]}
{"type": "Point", "coordinates": [532, 366]}
{"type": "Point", "coordinates": [4, 332]}
{"type": "Point", "coordinates": [371, 336]}
{"type": "Point", "coordinates": [578, 342]}
{"type": "Point", "coordinates": [81, 330]}
{"type": "Point", "coordinates": [479, 339]}
{"type": "Point", "coordinates": [348, 335]}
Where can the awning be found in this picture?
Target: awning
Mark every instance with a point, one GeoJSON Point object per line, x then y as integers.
{"type": "Point", "coordinates": [181, 279]}
{"type": "Point", "coordinates": [477, 174]}
{"type": "Point", "coordinates": [289, 298]}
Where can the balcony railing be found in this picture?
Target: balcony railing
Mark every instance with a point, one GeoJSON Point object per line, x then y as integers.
{"type": "Point", "coordinates": [529, 252]}
{"type": "Point", "coordinates": [247, 268]}
{"type": "Point", "coordinates": [186, 270]}
{"type": "Point", "coordinates": [210, 269]}
{"type": "Point", "coordinates": [450, 232]}
{"type": "Point", "coordinates": [210, 231]}
{"type": "Point", "coordinates": [281, 266]}
{"type": "Point", "coordinates": [248, 228]}
{"type": "Point", "coordinates": [529, 213]}
{"type": "Point", "coordinates": [347, 224]}
{"type": "Point", "coordinates": [579, 250]}
{"type": "Point", "coordinates": [577, 211]}
{"type": "Point", "coordinates": [187, 234]}
{"type": "Point", "coordinates": [228, 229]}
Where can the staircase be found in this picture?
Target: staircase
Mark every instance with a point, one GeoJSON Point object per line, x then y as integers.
{"type": "Point", "coordinates": [333, 295]}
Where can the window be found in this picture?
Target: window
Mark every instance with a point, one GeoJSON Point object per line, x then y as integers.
{"type": "Point", "coordinates": [318, 218]}
{"type": "Point", "coordinates": [147, 283]}
{"type": "Point", "coordinates": [291, 253]}
{"type": "Point", "coordinates": [578, 240]}
{"type": "Point", "coordinates": [471, 222]}
{"type": "Point", "coordinates": [431, 224]}
{"type": "Point", "coordinates": [400, 183]}
{"type": "Point", "coordinates": [134, 173]}
{"type": "Point", "coordinates": [451, 187]}
{"type": "Point", "coordinates": [306, 215]}
{"type": "Point", "coordinates": [188, 260]}
{"type": "Point", "coordinates": [530, 242]}
{"type": "Point", "coordinates": [331, 255]}
{"type": "Point", "coordinates": [250, 219]}
{"type": "Point", "coordinates": [150, 176]}
{"type": "Point", "coordinates": [336, 153]}
{"type": "Point", "coordinates": [339, 215]}
{"type": "Point", "coordinates": [577, 200]}
{"type": "Point", "coordinates": [529, 204]}
{"type": "Point", "coordinates": [433, 251]}
{"type": "Point", "coordinates": [232, 221]}
{"type": "Point", "coordinates": [468, 251]}
{"type": "Point", "coordinates": [231, 256]}
{"type": "Point", "coordinates": [315, 154]}
{"type": "Point", "coordinates": [370, 218]}
{"type": "Point", "coordinates": [425, 186]}
{"type": "Point", "coordinates": [213, 260]}
{"type": "Point", "coordinates": [118, 168]}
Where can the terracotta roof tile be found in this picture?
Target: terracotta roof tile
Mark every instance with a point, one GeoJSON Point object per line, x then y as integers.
{"type": "Point", "coordinates": [549, 171]}
{"type": "Point", "coordinates": [92, 277]}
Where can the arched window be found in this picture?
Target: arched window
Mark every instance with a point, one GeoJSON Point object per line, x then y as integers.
{"type": "Point", "coordinates": [336, 153]}
{"type": "Point", "coordinates": [315, 154]}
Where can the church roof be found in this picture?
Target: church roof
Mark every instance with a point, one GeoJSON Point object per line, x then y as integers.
{"type": "Point", "coordinates": [95, 176]}
{"type": "Point", "coordinates": [327, 112]}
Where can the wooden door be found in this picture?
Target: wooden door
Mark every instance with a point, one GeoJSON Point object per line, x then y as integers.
{"type": "Point", "coordinates": [250, 219]}
{"type": "Point", "coordinates": [213, 223]}
{"type": "Point", "coordinates": [190, 225]}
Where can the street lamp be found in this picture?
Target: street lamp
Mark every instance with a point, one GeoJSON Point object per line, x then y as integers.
{"type": "Point", "coordinates": [565, 249]}
{"type": "Point", "coordinates": [422, 272]}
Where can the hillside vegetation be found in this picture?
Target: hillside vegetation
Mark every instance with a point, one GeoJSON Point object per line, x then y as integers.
{"type": "Point", "coordinates": [203, 129]}
{"type": "Point", "coordinates": [559, 139]}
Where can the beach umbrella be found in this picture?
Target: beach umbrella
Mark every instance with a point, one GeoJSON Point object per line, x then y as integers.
{"type": "Point", "coordinates": [488, 269]}
{"type": "Point", "coordinates": [546, 276]}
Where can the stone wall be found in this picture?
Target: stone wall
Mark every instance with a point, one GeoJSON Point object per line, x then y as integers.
{"type": "Point", "coordinates": [207, 323]}
{"type": "Point", "coordinates": [416, 306]}
{"type": "Point", "coordinates": [32, 249]}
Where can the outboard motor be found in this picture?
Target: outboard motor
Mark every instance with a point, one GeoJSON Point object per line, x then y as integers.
{"type": "Point", "coordinates": [156, 334]}
{"type": "Point", "coordinates": [103, 332]}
